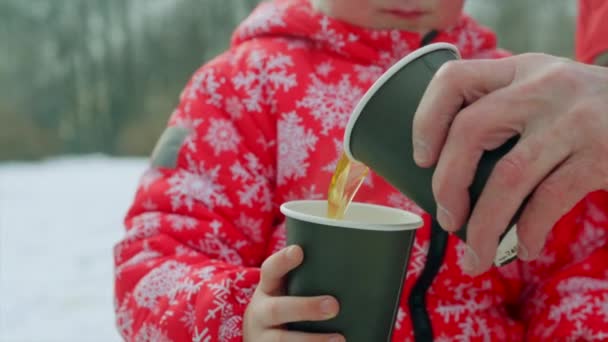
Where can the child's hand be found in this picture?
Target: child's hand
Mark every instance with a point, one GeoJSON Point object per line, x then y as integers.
{"type": "Point", "coordinates": [269, 309]}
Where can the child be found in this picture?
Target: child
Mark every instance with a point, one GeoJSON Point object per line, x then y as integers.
{"type": "Point", "coordinates": [262, 124]}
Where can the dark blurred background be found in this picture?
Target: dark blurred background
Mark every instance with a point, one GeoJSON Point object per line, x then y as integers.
{"type": "Point", "coordinates": [83, 76]}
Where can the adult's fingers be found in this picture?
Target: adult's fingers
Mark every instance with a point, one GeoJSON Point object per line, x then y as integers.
{"type": "Point", "coordinates": [455, 84]}
{"type": "Point", "coordinates": [279, 335]}
{"type": "Point", "coordinates": [483, 125]}
{"type": "Point", "coordinates": [276, 266]}
{"type": "Point", "coordinates": [514, 177]}
{"type": "Point", "coordinates": [553, 198]}
{"type": "Point", "coordinates": [276, 311]}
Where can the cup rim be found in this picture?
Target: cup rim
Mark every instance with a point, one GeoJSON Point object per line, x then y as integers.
{"type": "Point", "coordinates": [409, 221]}
{"type": "Point", "coordinates": [382, 79]}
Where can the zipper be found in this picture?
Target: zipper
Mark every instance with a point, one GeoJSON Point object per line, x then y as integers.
{"type": "Point", "coordinates": [421, 321]}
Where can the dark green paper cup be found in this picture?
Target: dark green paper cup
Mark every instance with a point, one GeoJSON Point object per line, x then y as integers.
{"type": "Point", "coordinates": [379, 135]}
{"type": "Point", "coordinates": [360, 260]}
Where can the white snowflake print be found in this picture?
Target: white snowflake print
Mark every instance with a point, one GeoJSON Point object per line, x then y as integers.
{"type": "Point", "coordinates": [399, 49]}
{"type": "Point", "coordinates": [295, 143]}
{"type": "Point", "coordinates": [159, 282]}
{"type": "Point", "coordinates": [206, 273]}
{"type": "Point", "coordinates": [574, 308]}
{"type": "Point", "coordinates": [223, 308]}
{"type": "Point", "coordinates": [213, 245]}
{"type": "Point", "coordinates": [595, 213]}
{"type": "Point", "coordinates": [264, 78]}
{"type": "Point", "coordinates": [295, 44]}
{"type": "Point", "coordinates": [324, 68]}
{"type": "Point", "coordinates": [417, 258]}
{"type": "Point", "coordinates": [182, 250]}
{"type": "Point", "coordinates": [473, 328]}
{"type": "Point", "coordinates": [461, 248]}
{"type": "Point", "coordinates": [255, 182]}
{"type": "Point", "coordinates": [330, 36]}
{"type": "Point", "coordinates": [266, 144]}
{"type": "Point", "coordinates": [331, 103]}
{"type": "Point", "coordinates": [602, 306]}
{"type": "Point", "coordinates": [205, 82]}
{"type": "Point", "coordinates": [186, 288]}
{"type": "Point", "coordinates": [443, 338]}
{"type": "Point", "coordinates": [143, 226]}
{"type": "Point", "coordinates": [310, 193]}
{"type": "Point", "coordinates": [583, 332]}
{"type": "Point", "coordinates": [368, 73]}
{"type": "Point", "coordinates": [577, 307]}
{"type": "Point", "coordinates": [202, 336]}
{"type": "Point", "coordinates": [180, 222]}
{"type": "Point", "coordinates": [469, 37]}
{"type": "Point", "coordinates": [590, 239]}
{"type": "Point", "coordinates": [149, 177]}
{"type": "Point", "coordinates": [400, 317]}
{"type": "Point", "coordinates": [117, 252]}
{"type": "Point", "coordinates": [470, 301]}
{"type": "Point", "coordinates": [581, 284]}
{"type": "Point", "coordinates": [197, 184]}
{"type": "Point", "coordinates": [305, 193]}
{"type": "Point", "coordinates": [230, 327]}
{"type": "Point", "coordinates": [124, 319]}
{"type": "Point", "coordinates": [189, 288]}
{"type": "Point", "coordinates": [267, 16]}
{"type": "Point", "coordinates": [280, 236]}
{"type": "Point", "coordinates": [144, 255]}
{"type": "Point", "coordinates": [451, 312]}
{"type": "Point", "coordinates": [189, 317]}
{"type": "Point", "coordinates": [222, 136]}
{"type": "Point", "coordinates": [251, 227]}
{"type": "Point", "coordinates": [189, 123]}
{"type": "Point", "coordinates": [151, 333]}
{"type": "Point", "coordinates": [149, 205]}
{"type": "Point", "coordinates": [234, 107]}
{"type": "Point", "coordinates": [399, 200]}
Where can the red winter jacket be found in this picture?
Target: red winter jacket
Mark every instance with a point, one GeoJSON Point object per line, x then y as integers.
{"type": "Point", "coordinates": [591, 30]}
{"type": "Point", "coordinates": [262, 124]}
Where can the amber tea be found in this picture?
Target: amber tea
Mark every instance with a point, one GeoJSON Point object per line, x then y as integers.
{"type": "Point", "coordinates": [346, 180]}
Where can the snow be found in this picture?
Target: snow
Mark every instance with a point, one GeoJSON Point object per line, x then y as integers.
{"type": "Point", "coordinates": [59, 220]}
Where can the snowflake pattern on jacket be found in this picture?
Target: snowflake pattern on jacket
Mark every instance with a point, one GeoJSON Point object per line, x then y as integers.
{"type": "Point", "coordinates": [265, 122]}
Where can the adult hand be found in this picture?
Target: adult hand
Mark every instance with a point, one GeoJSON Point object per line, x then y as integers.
{"type": "Point", "coordinates": [560, 110]}
{"type": "Point", "coordinates": [269, 310]}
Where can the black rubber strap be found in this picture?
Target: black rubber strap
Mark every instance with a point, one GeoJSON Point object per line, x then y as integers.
{"type": "Point", "coordinates": [421, 322]}
{"type": "Point", "coordinates": [429, 37]}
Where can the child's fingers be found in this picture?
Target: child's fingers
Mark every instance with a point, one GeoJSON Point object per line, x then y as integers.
{"type": "Point", "coordinates": [277, 266]}
{"type": "Point", "coordinates": [278, 335]}
{"type": "Point", "coordinates": [276, 311]}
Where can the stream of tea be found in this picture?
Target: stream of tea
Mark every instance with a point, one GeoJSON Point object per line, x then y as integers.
{"type": "Point", "coordinates": [346, 180]}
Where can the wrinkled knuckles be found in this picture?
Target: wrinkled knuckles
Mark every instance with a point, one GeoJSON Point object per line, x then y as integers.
{"type": "Point", "coordinates": [510, 171]}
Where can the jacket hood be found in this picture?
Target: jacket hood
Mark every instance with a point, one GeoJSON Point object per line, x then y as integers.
{"type": "Point", "coordinates": [298, 22]}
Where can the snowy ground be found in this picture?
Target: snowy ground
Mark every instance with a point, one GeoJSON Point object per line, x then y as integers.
{"type": "Point", "coordinates": [58, 222]}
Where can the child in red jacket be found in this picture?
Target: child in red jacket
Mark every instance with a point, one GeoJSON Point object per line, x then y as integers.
{"type": "Point", "coordinates": [262, 124]}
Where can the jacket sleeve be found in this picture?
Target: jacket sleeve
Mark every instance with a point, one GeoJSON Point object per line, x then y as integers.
{"type": "Point", "coordinates": [566, 296]}
{"type": "Point", "coordinates": [202, 215]}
